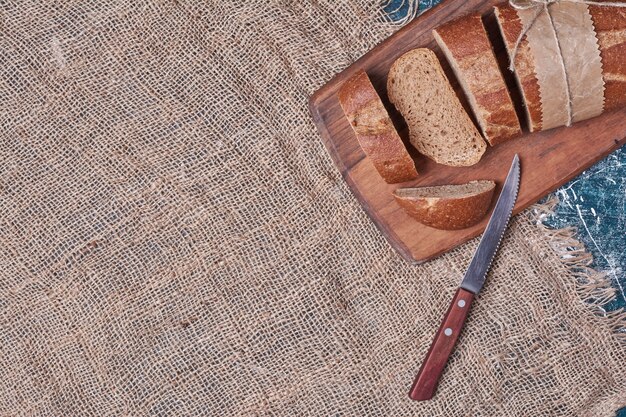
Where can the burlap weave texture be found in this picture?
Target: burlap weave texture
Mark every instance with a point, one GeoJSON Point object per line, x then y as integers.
{"type": "Point", "coordinates": [174, 239]}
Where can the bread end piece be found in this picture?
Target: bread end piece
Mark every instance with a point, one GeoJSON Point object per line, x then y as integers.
{"type": "Point", "coordinates": [374, 129]}
{"type": "Point", "coordinates": [439, 127]}
{"type": "Point", "coordinates": [467, 47]}
{"type": "Point", "coordinates": [448, 207]}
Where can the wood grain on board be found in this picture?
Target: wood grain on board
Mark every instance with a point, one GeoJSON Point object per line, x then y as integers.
{"type": "Point", "coordinates": [548, 159]}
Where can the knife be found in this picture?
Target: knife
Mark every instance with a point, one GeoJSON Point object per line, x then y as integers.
{"type": "Point", "coordinates": [427, 378]}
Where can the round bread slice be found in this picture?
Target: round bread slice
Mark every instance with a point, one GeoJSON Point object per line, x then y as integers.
{"type": "Point", "coordinates": [439, 127]}
{"type": "Point", "coordinates": [447, 207]}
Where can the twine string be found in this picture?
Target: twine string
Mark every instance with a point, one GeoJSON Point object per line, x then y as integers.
{"type": "Point", "coordinates": [540, 6]}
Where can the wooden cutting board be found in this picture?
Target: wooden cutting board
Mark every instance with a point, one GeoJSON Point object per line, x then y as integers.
{"type": "Point", "coordinates": [549, 159]}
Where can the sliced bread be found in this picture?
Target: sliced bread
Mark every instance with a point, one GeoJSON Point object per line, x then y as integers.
{"type": "Point", "coordinates": [447, 207]}
{"type": "Point", "coordinates": [439, 127]}
{"type": "Point", "coordinates": [511, 27]}
{"type": "Point", "coordinates": [374, 130]}
{"type": "Point", "coordinates": [467, 47]}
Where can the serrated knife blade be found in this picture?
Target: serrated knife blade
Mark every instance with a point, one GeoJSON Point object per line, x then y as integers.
{"type": "Point", "coordinates": [427, 379]}
{"type": "Point", "coordinates": [490, 241]}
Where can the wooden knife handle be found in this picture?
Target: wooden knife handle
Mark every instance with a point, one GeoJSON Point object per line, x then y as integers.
{"type": "Point", "coordinates": [427, 378]}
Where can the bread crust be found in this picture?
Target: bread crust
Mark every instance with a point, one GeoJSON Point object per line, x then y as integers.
{"type": "Point", "coordinates": [447, 213]}
{"type": "Point", "coordinates": [374, 129]}
{"type": "Point", "coordinates": [510, 28]}
{"type": "Point", "coordinates": [467, 47]}
{"type": "Point", "coordinates": [610, 26]}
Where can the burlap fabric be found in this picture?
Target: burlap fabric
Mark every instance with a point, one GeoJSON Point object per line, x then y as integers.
{"type": "Point", "coordinates": [176, 241]}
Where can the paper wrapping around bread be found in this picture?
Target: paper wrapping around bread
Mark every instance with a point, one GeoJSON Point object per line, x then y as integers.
{"type": "Point", "coordinates": [581, 56]}
{"type": "Point", "coordinates": [558, 63]}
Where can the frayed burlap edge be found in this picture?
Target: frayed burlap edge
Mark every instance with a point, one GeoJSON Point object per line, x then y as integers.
{"type": "Point", "coordinates": [593, 287]}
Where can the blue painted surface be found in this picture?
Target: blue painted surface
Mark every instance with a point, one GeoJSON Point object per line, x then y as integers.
{"type": "Point", "coordinates": [397, 10]}
{"type": "Point", "coordinates": [594, 202]}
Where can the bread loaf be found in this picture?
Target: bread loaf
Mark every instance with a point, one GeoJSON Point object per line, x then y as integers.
{"type": "Point", "coordinates": [374, 129]}
{"type": "Point", "coordinates": [510, 27]}
{"type": "Point", "coordinates": [439, 127]}
{"type": "Point", "coordinates": [610, 26]}
{"type": "Point", "coordinates": [447, 207]}
{"type": "Point", "coordinates": [465, 43]}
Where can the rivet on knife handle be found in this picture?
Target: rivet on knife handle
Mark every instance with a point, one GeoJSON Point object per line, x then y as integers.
{"type": "Point", "coordinates": [426, 381]}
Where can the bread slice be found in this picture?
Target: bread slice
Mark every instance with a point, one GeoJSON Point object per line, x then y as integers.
{"type": "Point", "coordinates": [374, 130]}
{"type": "Point", "coordinates": [510, 27]}
{"type": "Point", "coordinates": [439, 127]}
{"type": "Point", "coordinates": [467, 48]}
{"type": "Point", "coordinates": [610, 26]}
{"type": "Point", "coordinates": [447, 207]}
